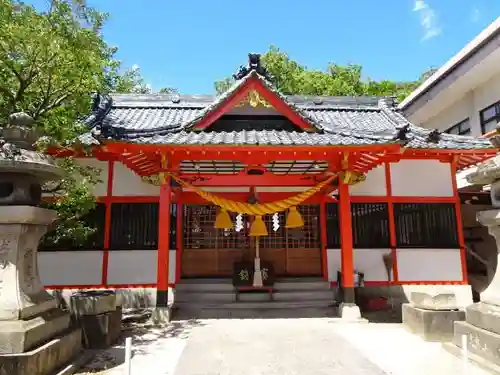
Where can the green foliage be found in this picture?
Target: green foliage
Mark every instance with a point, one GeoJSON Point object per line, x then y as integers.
{"type": "Point", "coordinates": [289, 77]}
{"type": "Point", "coordinates": [50, 63]}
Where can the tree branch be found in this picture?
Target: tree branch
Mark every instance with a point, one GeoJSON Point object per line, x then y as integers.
{"type": "Point", "coordinates": [54, 104]}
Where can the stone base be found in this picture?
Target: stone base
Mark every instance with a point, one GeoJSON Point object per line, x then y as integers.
{"type": "Point", "coordinates": [480, 342]}
{"type": "Point", "coordinates": [349, 311]}
{"type": "Point", "coordinates": [431, 325]}
{"type": "Point", "coordinates": [484, 316]}
{"type": "Point", "coordinates": [161, 315]}
{"type": "Point", "coordinates": [19, 336]}
{"type": "Point", "coordinates": [44, 360]}
{"type": "Point", "coordinates": [102, 330]}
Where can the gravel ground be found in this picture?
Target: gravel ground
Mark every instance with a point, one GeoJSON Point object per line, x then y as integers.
{"type": "Point", "coordinates": [276, 346]}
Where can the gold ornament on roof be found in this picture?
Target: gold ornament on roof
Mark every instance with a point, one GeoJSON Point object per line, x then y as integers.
{"type": "Point", "coordinates": [254, 99]}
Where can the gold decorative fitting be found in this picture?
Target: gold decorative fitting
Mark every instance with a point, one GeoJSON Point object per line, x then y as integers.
{"type": "Point", "coordinates": [254, 99]}
{"type": "Point", "coordinates": [153, 180]}
{"type": "Point", "coordinates": [352, 178]}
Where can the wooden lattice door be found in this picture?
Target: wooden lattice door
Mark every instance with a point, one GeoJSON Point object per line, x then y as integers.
{"type": "Point", "coordinates": [207, 251]}
{"type": "Point", "coordinates": [294, 252]}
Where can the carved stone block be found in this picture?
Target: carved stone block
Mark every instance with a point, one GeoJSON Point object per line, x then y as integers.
{"type": "Point", "coordinates": [484, 316]}
{"type": "Point", "coordinates": [22, 295]}
{"type": "Point", "coordinates": [431, 325]}
{"type": "Point", "coordinates": [438, 301]}
{"type": "Point", "coordinates": [484, 343]}
{"type": "Point", "coordinates": [18, 336]}
{"type": "Point", "coordinates": [93, 302]}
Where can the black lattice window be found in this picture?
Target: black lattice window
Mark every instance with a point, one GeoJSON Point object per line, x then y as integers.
{"type": "Point", "coordinates": [370, 225]}
{"type": "Point", "coordinates": [95, 219]}
{"type": "Point", "coordinates": [134, 226]}
{"type": "Point", "coordinates": [199, 231]}
{"type": "Point", "coordinates": [429, 225]}
{"type": "Point", "coordinates": [332, 226]}
{"type": "Point", "coordinates": [308, 236]}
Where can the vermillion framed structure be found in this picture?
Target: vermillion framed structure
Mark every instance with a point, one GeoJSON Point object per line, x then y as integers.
{"type": "Point", "coordinates": [254, 143]}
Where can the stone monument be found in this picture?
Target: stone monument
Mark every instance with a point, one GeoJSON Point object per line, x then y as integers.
{"type": "Point", "coordinates": [431, 314]}
{"type": "Point", "coordinates": [482, 324]}
{"type": "Point", "coordinates": [36, 336]}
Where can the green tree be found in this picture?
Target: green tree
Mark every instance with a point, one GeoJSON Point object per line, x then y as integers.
{"type": "Point", "coordinates": [51, 61]}
{"type": "Point", "coordinates": [290, 77]}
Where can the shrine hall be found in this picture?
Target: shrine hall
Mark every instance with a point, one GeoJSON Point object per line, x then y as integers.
{"type": "Point", "coordinates": [254, 186]}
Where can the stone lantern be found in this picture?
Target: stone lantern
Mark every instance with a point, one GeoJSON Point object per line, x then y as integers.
{"type": "Point", "coordinates": [482, 325]}
{"type": "Point", "coordinates": [35, 334]}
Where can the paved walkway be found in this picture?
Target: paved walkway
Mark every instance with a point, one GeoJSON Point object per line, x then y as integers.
{"type": "Point", "coordinates": [280, 346]}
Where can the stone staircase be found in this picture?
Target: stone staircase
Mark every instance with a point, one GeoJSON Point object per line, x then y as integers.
{"type": "Point", "coordinates": [216, 298]}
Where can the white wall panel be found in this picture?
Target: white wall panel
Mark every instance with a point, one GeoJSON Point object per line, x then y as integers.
{"type": "Point", "coordinates": [100, 189]}
{"type": "Point", "coordinates": [132, 267]}
{"type": "Point", "coordinates": [70, 267]}
{"type": "Point", "coordinates": [421, 178]}
{"type": "Point", "coordinates": [172, 259]}
{"type": "Point", "coordinates": [126, 182]}
{"type": "Point", "coordinates": [334, 263]}
{"type": "Point", "coordinates": [374, 185]}
{"type": "Point", "coordinates": [429, 265]}
{"type": "Point", "coordinates": [371, 263]}
{"type": "Point", "coordinates": [368, 261]}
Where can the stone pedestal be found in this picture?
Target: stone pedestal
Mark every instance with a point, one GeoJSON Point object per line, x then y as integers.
{"type": "Point", "coordinates": [432, 316]}
{"type": "Point", "coordinates": [29, 317]}
{"type": "Point", "coordinates": [482, 325]}
{"type": "Point", "coordinates": [99, 317]}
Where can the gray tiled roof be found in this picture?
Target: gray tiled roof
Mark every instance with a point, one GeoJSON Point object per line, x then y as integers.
{"type": "Point", "coordinates": [169, 119]}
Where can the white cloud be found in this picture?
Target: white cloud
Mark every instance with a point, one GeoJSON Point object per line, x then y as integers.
{"type": "Point", "coordinates": [428, 19]}
{"type": "Point", "coordinates": [474, 16]}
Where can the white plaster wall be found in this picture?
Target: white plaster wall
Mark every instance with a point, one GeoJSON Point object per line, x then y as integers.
{"type": "Point", "coordinates": [429, 265]}
{"type": "Point", "coordinates": [333, 262]}
{"type": "Point", "coordinates": [70, 267]}
{"type": "Point", "coordinates": [172, 259]}
{"type": "Point", "coordinates": [421, 178]}
{"type": "Point", "coordinates": [458, 111]}
{"type": "Point", "coordinates": [368, 261]}
{"type": "Point", "coordinates": [126, 182]}
{"type": "Point", "coordinates": [485, 95]}
{"type": "Point", "coordinates": [470, 102]}
{"type": "Point", "coordinates": [374, 185]}
{"type": "Point", "coordinates": [132, 267]}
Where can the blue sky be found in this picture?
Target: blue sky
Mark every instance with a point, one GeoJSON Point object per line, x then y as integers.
{"type": "Point", "coordinates": [188, 44]}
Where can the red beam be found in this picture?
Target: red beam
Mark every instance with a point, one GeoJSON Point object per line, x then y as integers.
{"type": "Point", "coordinates": [267, 179]}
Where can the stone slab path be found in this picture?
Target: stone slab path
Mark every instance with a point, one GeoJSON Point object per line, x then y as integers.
{"type": "Point", "coordinates": [278, 346]}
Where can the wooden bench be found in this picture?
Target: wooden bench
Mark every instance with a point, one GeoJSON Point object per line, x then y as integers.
{"type": "Point", "coordinates": [239, 289]}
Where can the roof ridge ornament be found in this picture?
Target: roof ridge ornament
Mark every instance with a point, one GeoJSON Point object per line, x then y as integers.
{"type": "Point", "coordinates": [434, 136]}
{"type": "Point", "coordinates": [254, 64]}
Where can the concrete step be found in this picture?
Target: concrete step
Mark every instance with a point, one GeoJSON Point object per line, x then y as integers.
{"type": "Point", "coordinates": [288, 295]}
{"type": "Point", "coordinates": [214, 313]}
{"type": "Point", "coordinates": [208, 296]}
{"type": "Point", "coordinates": [205, 285]}
{"type": "Point", "coordinates": [301, 284]}
{"type": "Point", "coordinates": [290, 304]}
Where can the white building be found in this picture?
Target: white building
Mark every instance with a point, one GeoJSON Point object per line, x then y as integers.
{"type": "Point", "coordinates": [463, 97]}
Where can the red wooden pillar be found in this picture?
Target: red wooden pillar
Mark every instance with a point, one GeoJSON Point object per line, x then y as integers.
{"type": "Point", "coordinates": [324, 245]}
{"type": "Point", "coordinates": [163, 244]}
{"type": "Point", "coordinates": [179, 231]}
{"type": "Point", "coordinates": [346, 243]}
